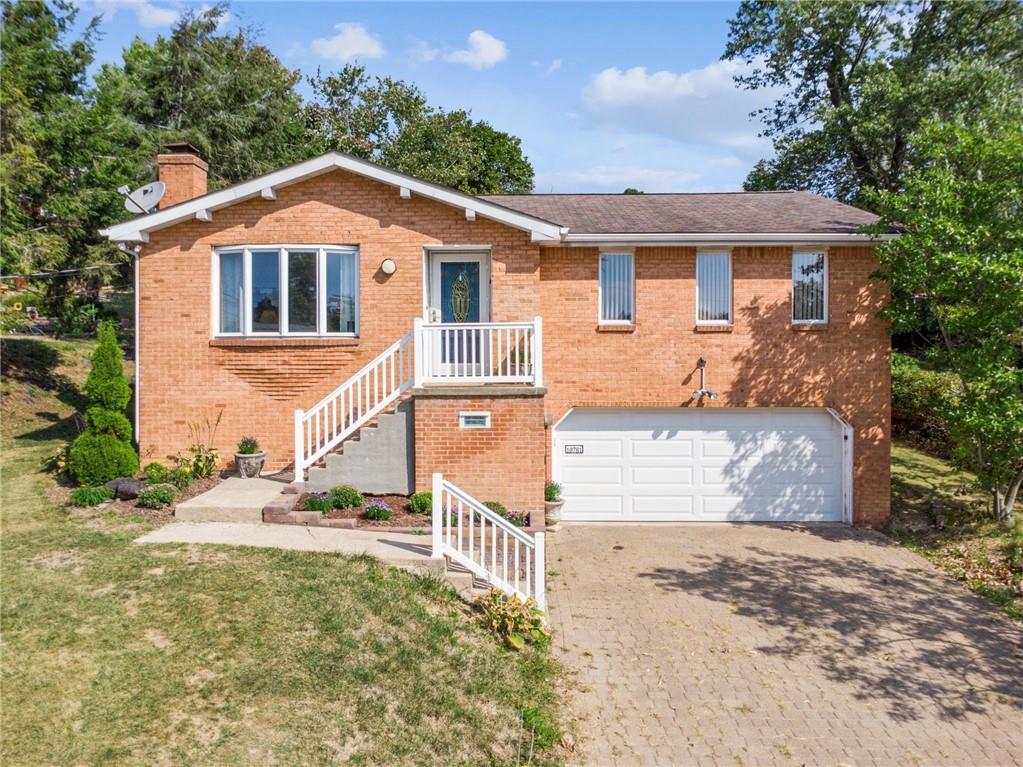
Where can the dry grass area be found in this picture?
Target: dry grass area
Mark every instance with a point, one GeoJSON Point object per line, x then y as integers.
{"type": "Point", "coordinates": [116, 653]}
{"type": "Point", "coordinates": [939, 512]}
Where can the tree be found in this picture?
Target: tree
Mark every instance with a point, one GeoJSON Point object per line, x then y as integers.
{"type": "Point", "coordinates": [62, 158]}
{"type": "Point", "coordinates": [632, 190]}
{"type": "Point", "coordinates": [390, 121]}
{"type": "Point", "coordinates": [959, 263]}
{"type": "Point", "coordinates": [859, 78]}
{"type": "Point", "coordinates": [104, 451]}
{"type": "Point", "coordinates": [224, 93]}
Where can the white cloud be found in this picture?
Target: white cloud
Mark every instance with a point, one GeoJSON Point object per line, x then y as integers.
{"type": "Point", "coordinates": [615, 178]}
{"type": "Point", "coordinates": [422, 52]}
{"type": "Point", "coordinates": [698, 106]}
{"type": "Point", "coordinates": [352, 41]}
{"type": "Point", "coordinates": [149, 15]}
{"type": "Point", "coordinates": [554, 66]}
{"type": "Point", "coordinates": [484, 51]}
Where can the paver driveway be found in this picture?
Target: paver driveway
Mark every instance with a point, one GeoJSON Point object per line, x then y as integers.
{"type": "Point", "coordinates": [761, 645]}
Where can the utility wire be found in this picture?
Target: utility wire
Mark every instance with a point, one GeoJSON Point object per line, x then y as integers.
{"type": "Point", "coordinates": [39, 275]}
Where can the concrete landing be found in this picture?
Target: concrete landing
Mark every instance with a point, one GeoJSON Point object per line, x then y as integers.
{"type": "Point", "coordinates": [233, 500]}
{"type": "Point", "coordinates": [405, 550]}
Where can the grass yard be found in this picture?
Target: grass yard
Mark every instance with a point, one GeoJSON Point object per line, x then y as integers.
{"type": "Point", "coordinates": [118, 653]}
{"type": "Point", "coordinates": [940, 513]}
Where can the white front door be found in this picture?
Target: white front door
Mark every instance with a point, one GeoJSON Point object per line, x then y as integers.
{"type": "Point", "coordinates": [459, 294]}
{"type": "Point", "coordinates": [710, 464]}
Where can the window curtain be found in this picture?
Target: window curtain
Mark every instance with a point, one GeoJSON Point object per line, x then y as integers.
{"type": "Point", "coordinates": [714, 288]}
{"type": "Point", "coordinates": [616, 291]}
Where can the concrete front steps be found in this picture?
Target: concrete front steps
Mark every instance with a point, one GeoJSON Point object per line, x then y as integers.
{"type": "Point", "coordinates": [233, 500]}
{"type": "Point", "coordinates": [377, 459]}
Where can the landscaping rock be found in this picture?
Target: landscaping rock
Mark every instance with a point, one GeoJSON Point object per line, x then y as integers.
{"type": "Point", "coordinates": [125, 488]}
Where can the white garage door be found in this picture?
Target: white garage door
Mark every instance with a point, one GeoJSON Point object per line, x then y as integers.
{"type": "Point", "coordinates": [707, 465]}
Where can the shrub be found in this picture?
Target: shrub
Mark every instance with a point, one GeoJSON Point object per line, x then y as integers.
{"type": "Point", "coordinates": [346, 497]}
{"type": "Point", "coordinates": [156, 473]}
{"type": "Point", "coordinates": [552, 492]}
{"type": "Point", "coordinates": [499, 508]}
{"type": "Point", "coordinates": [514, 622]}
{"type": "Point", "coordinates": [97, 458]}
{"type": "Point", "coordinates": [104, 451]}
{"type": "Point", "coordinates": [421, 503]}
{"type": "Point", "coordinates": [319, 502]}
{"type": "Point", "coordinates": [90, 496]}
{"type": "Point", "coordinates": [377, 510]}
{"type": "Point", "coordinates": [248, 446]}
{"type": "Point", "coordinates": [156, 497]}
{"type": "Point", "coordinates": [180, 476]}
{"type": "Point", "coordinates": [921, 401]}
{"type": "Point", "coordinates": [204, 454]}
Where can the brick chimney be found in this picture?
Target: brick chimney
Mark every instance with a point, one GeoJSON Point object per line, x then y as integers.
{"type": "Point", "coordinates": [184, 173]}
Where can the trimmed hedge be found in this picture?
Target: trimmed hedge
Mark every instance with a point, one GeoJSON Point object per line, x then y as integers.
{"type": "Point", "coordinates": [98, 458]}
{"type": "Point", "coordinates": [921, 401]}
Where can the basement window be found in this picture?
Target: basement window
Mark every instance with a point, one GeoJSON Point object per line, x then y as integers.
{"type": "Point", "coordinates": [286, 291]}
{"type": "Point", "coordinates": [473, 420]}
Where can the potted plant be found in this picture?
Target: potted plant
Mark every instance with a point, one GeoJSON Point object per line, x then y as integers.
{"type": "Point", "coordinates": [249, 458]}
{"type": "Point", "coordinates": [552, 503]}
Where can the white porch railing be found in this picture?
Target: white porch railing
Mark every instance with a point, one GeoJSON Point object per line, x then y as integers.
{"type": "Point", "coordinates": [486, 544]}
{"type": "Point", "coordinates": [479, 352]}
{"type": "Point", "coordinates": [338, 415]}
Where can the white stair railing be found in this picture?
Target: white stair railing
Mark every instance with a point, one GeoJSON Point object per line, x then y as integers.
{"type": "Point", "coordinates": [338, 415]}
{"type": "Point", "coordinates": [479, 352]}
{"type": "Point", "coordinates": [486, 544]}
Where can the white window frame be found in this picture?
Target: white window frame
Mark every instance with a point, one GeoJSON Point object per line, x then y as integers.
{"type": "Point", "coordinates": [282, 255]}
{"type": "Point", "coordinates": [792, 284]}
{"type": "Point", "coordinates": [466, 414]}
{"type": "Point", "coordinates": [731, 306]}
{"type": "Point", "coordinates": [600, 286]}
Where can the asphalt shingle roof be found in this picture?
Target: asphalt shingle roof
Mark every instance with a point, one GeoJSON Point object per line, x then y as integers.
{"type": "Point", "coordinates": [710, 213]}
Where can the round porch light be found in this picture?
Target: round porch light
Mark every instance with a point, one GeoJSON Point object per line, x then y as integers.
{"type": "Point", "coordinates": [387, 266]}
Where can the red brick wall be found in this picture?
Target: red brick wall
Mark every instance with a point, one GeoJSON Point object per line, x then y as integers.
{"type": "Point", "coordinates": [184, 376]}
{"type": "Point", "coordinates": [763, 361]}
{"type": "Point", "coordinates": [503, 463]}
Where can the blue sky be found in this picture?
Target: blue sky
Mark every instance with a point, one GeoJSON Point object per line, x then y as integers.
{"type": "Point", "coordinates": [603, 95]}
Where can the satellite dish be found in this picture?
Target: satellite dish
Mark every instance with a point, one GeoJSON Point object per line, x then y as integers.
{"type": "Point", "coordinates": [143, 199]}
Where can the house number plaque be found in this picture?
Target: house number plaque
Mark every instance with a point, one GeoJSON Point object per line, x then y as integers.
{"type": "Point", "coordinates": [573, 449]}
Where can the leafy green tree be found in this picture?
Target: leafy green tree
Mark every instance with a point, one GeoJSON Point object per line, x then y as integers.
{"type": "Point", "coordinates": [959, 264]}
{"type": "Point", "coordinates": [223, 92]}
{"type": "Point", "coordinates": [390, 121]}
{"type": "Point", "coordinates": [857, 80]}
{"type": "Point", "coordinates": [61, 145]}
{"type": "Point", "coordinates": [104, 451]}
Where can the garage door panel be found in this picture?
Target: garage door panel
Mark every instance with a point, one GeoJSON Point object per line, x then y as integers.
{"type": "Point", "coordinates": [662, 475]}
{"type": "Point", "coordinates": [681, 447]}
{"type": "Point", "coordinates": [662, 505]}
{"type": "Point", "coordinates": [592, 475]}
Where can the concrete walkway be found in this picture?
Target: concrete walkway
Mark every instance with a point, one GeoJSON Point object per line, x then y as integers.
{"type": "Point", "coordinates": [233, 500]}
{"type": "Point", "coordinates": [404, 550]}
{"type": "Point", "coordinates": [753, 645]}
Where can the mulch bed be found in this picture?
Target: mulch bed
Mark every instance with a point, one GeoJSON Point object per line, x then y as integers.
{"type": "Point", "coordinates": [153, 516]}
{"type": "Point", "coordinates": [400, 516]}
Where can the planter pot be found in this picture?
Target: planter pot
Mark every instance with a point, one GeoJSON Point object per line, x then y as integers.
{"type": "Point", "coordinates": [250, 464]}
{"type": "Point", "coordinates": [552, 514]}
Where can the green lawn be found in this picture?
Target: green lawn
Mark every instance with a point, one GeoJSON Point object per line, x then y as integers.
{"type": "Point", "coordinates": [119, 653]}
{"type": "Point", "coordinates": [940, 513]}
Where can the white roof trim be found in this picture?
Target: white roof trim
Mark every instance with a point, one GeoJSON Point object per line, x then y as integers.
{"type": "Point", "coordinates": [132, 230]}
{"type": "Point", "coordinates": [738, 238]}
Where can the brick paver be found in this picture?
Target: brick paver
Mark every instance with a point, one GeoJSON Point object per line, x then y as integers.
{"type": "Point", "coordinates": [778, 645]}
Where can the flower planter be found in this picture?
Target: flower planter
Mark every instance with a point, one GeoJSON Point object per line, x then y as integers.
{"type": "Point", "coordinates": [552, 514]}
{"type": "Point", "coordinates": [249, 464]}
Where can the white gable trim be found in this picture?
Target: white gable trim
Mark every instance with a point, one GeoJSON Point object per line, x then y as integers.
{"type": "Point", "coordinates": [137, 229]}
{"type": "Point", "coordinates": [736, 239]}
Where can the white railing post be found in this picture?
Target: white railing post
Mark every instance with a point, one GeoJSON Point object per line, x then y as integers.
{"type": "Point", "coordinates": [419, 352]}
{"type": "Point", "coordinates": [537, 351]}
{"type": "Point", "coordinates": [540, 573]}
{"type": "Point", "coordinates": [299, 440]}
{"type": "Point", "coordinates": [438, 515]}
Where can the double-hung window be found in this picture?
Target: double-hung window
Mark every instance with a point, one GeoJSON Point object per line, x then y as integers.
{"type": "Point", "coordinates": [617, 288]}
{"type": "Point", "coordinates": [714, 288]}
{"type": "Point", "coordinates": [809, 287]}
{"type": "Point", "coordinates": [286, 291]}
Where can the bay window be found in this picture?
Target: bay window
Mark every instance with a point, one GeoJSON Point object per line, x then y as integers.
{"type": "Point", "coordinates": [286, 291]}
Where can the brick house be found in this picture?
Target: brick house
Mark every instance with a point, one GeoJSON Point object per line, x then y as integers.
{"type": "Point", "coordinates": [663, 357]}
